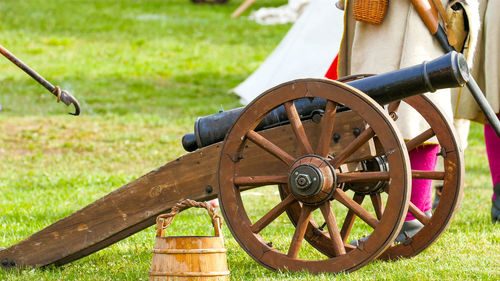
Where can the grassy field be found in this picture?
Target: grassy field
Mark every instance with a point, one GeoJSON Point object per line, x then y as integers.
{"type": "Point", "coordinates": [143, 70]}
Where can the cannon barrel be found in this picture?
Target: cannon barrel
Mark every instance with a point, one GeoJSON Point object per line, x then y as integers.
{"type": "Point", "coordinates": [448, 71]}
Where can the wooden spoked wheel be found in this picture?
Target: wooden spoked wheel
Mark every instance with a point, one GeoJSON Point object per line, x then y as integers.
{"type": "Point", "coordinates": [452, 177]}
{"type": "Point", "coordinates": [452, 191]}
{"type": "Point", "coordinates": [313, 178]}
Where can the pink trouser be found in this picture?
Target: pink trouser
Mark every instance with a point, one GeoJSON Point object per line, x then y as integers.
{"type": "Point", "coordinates": [493, 150]}
{"type": "Point", "coordinates": [422, 158]}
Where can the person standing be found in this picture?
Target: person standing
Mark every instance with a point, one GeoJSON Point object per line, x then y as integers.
{"type": "Point", "coordinates": [491, 71]}
{"type": "Point", "coordinates": [399, 41]}
{"type": "Point", "coordinates": [487, 72]}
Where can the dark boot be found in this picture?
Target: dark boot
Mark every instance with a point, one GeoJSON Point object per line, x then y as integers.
{"type": "Point", "coordinates": [408, 230]}
{"type": "Point", "coordinates": [495, 205]}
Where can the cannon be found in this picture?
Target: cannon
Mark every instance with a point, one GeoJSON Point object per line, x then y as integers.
{"type": "Point", "coordinates": [321, 167]}
{"type": "Point", "coordinates": [383, 89]}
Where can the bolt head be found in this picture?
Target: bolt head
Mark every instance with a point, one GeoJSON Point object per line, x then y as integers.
{"type": "Point", "coordinates": [303, 181]}
{"type": "Point", "coordinates": [209, 189]}
{"type": "Point", "coordinates": [336, 137]}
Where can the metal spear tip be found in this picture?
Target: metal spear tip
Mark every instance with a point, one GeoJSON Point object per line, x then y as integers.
{"type": "Point", "coordinates": [68, 99]}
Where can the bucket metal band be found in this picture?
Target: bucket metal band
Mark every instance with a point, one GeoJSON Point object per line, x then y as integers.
{"type": "Point", "coordinates": [189, 274]}
{"type": "Point", "coordinates": [188, 251]}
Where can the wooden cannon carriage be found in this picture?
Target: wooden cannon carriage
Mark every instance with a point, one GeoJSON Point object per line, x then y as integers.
{"type": "Point", "coordinates": [325, 146]}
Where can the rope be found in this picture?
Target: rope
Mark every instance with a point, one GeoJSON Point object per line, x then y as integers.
{"type": "Point", "coordinates": [58, 91]}
{"type": "Point", "coordinates": [163, 221]}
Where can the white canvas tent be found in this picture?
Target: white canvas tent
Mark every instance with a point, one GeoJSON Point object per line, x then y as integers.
{"type": "Point", "coordinates": [306, 51]}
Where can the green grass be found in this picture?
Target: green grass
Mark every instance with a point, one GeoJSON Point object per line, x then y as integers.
{"type": "Point", "coordinates": [143, 71]}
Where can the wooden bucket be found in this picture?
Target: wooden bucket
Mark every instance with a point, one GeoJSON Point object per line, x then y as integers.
{"type": "Point", "coordinates": [189, 257]}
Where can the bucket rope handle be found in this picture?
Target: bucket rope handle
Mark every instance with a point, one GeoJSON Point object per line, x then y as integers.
{"type": "Point", "coordinates": [163, 221]}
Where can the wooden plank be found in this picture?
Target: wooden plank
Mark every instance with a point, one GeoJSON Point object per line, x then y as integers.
{"type": "Point", "coordinates": [121, 213]}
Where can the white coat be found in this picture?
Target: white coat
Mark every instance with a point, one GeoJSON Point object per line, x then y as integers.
{"type": "Point", "coordinates": [401, 40]}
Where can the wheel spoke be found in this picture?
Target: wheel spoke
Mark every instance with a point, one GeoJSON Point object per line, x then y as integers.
{"type": "Point", "coordinates": [272, 214]}
{"type": "Point", "coordinates": [333, 230]}
{"type": "Point", "coordinates": [363, 214]}
{"type": "Point", "coordinates": [350, 247]}
{"type": "Point", "coordinates": [300, 230]}
{"type": "Point", "coordinates": [378, 205]}
{"type": "Point", "coordinates": [352, 147]}
{"type": "Point", "coordinates": [349, 218]}
{"type": "Point", "coordinates": [297, 127]}
{"type": "Point", "coordinates": [362, 177]}
{"type": "Point", "coordinates": [418, 214]}
{"type": "Point", "coordinates": [259, 180]}
{"type": "Point", "coordinates": [270, 147]}
{"type": "Point", "coordinates": [393, 106]}
{"type": "Point", "coordinates": [326, 125]}
{"type": "Point", "coordinates": [420, 139]}
{"type": "Point", "coordinates": [431, 175]}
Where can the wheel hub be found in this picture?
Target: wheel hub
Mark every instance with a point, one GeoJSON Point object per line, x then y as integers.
{"type": "Point", "coordinates": [377, 164]}
{"type": "Point", "coordinates": [306, 180]}
{"type": "Point", "coordinates": [312, 179]}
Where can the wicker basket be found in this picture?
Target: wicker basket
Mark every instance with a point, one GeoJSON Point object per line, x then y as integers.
{"type": "Point", "coordinates": [370, 11]}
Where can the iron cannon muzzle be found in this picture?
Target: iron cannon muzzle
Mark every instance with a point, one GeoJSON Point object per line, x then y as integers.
{"type": "Point", "coordinates": [447, 71]}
